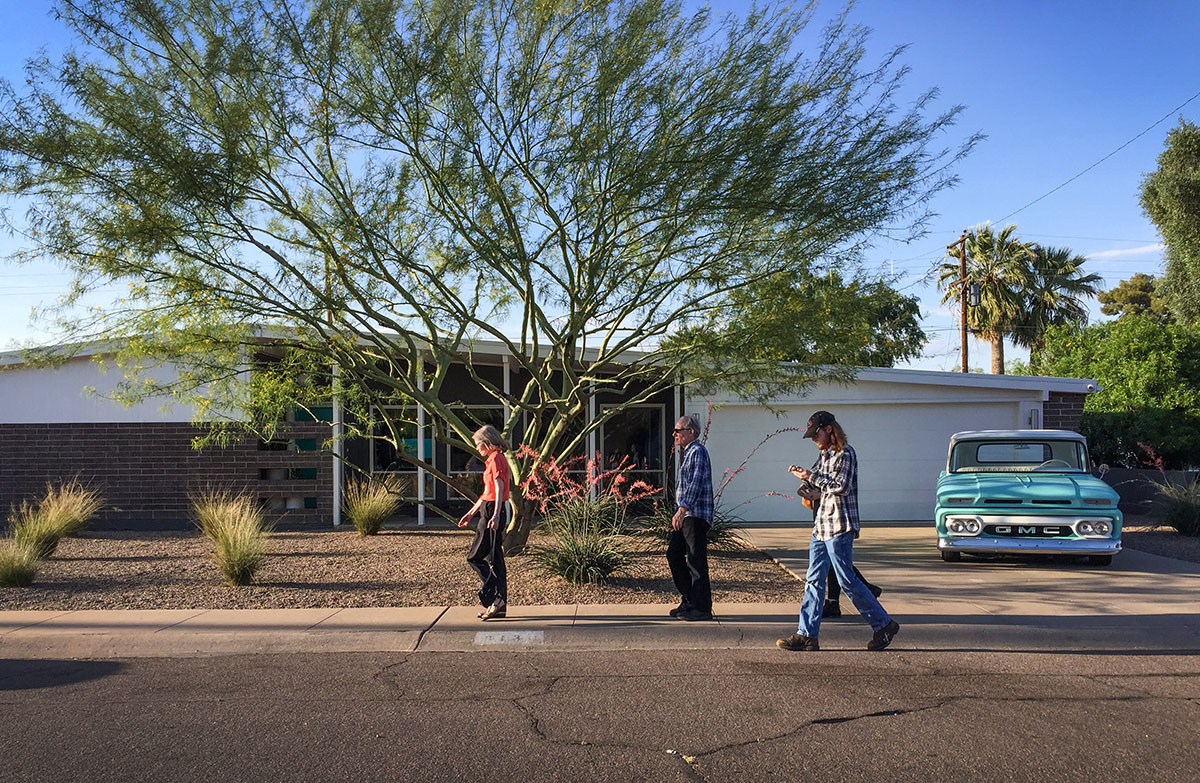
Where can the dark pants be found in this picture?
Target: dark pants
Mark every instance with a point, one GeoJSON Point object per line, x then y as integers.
{"type": "Point", "coordinates": [687, 554]}
{"type": "Point", "coordinates": [486, 556]}
{"type": "Point", "coordinates": [834, 593]}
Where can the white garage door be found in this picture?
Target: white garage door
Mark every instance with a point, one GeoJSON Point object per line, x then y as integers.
{"type": "Point", "coordinates": [901, 449]}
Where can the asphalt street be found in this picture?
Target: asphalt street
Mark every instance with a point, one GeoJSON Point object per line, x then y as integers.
{"type": "Point", "coordinates": [710, 715]}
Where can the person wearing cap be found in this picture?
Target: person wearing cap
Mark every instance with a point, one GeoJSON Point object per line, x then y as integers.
{"type": "Point", "coordinates": [687, 551]}
{"type": "Point", "coordinates": [835, 526]}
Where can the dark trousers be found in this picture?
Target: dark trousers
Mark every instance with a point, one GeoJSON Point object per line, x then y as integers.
{"type": "Point", "coordinates": [486, 556]}
{"type": "Point", "coordinates": [834, 592]}
{"type": "Point", "coordinates": [687, 554]}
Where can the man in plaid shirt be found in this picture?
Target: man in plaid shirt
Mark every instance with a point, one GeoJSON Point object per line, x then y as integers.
{"type": "Point", "coordinates": [687, 552]}
{"type": "Point", "coordinates": [835, 526]}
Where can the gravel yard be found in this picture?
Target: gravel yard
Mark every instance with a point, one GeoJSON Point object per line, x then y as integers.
{"type": "Point", "coordinates": [410, 567]}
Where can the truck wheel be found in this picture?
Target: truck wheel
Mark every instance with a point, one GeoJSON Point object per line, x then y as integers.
{"type": "Point", "coordinates": [1099, 560]}
{"type": "Point", "coordinates": [951, 557]}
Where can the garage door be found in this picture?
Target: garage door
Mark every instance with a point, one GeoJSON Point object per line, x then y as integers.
{"type": "Point", "coordinates": [901, 449]}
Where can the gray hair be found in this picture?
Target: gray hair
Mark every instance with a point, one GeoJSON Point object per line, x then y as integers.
{"type": "Point", "coordinates": [489, 435]}
{"type": "Point", "coordinates": [693, 423]}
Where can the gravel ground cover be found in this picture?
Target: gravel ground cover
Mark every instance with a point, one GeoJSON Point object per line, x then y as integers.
{"type": "Point", "coordinates": [411, 567]}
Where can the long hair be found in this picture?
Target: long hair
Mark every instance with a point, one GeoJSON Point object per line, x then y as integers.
{"type": "Point", "coordinates": [837, 437]}
{"type": "Point", "coordinates": [489, 435]}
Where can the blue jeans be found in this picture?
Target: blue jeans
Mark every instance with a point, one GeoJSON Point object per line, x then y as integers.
{"type": "Point", "coordinates": [840, 552]}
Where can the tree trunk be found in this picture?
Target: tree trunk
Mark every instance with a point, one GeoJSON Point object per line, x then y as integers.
{"type": "Point", "coordinates": [997, 354]}
{"type": "Point", "coordinates": [517, 534]}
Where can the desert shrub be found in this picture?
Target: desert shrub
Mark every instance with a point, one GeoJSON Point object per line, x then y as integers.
{"type": "Point", "coordinates": [1178, 505]}
{"type": "Point", "coordinates": [18, 564]}
{"type": "Point", "coordinates": [724, 532]}
{"type": "Point", "coordinates": [34, 530]}
{"type": "Point", "coordinates": [369, 502]}
{"type": "Point", "coordinates": [70, 506]}
{"type": "Point", "coordinates": [236, 526]}
{"type": "Point", "coordinates": [582, 556]}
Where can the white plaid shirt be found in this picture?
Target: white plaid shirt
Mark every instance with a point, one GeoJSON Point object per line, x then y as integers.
{"type": "Point", "coordinates": [836, 475]}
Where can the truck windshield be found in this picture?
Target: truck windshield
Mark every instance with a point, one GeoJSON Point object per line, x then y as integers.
{"type": "Point", "coordinates": [1018, 456]}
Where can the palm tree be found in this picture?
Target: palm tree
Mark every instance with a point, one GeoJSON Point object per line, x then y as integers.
{"type": "Point", "coordinates": [1054, 296]}
{"type": "Point", "coordinates": [1002, 266]}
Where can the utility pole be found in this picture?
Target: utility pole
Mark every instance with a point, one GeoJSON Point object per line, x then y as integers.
{"type": "Point", "coordinates": [961, 242]}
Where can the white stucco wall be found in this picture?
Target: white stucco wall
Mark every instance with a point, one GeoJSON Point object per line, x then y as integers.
{"type": "Point", "coordinates": [49, 395]}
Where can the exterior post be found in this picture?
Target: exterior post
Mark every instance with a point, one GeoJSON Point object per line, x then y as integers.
{"type": "Point", "coordinates": [420, 442]}
{"type": "Point", "coordinates": [338, 451]}
{"type": "Point", "coordinates": [592, 437]}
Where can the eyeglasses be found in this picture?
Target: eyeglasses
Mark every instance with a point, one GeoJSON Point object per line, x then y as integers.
{"type": "Point", "coordinates": [682, 429]}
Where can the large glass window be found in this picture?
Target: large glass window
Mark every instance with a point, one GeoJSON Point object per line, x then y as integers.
{"type": "Point", "coordinates": [635, 437]}
{"type": "Point", "coordinates": [464, 465]}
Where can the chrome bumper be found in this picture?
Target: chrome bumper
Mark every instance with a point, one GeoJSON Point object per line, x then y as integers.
{"type": "Point", "coordinates": [1031, 546]}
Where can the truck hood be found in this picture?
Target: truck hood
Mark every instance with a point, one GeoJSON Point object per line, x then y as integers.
{"type": "Point", "coordinates": [1046, 490]}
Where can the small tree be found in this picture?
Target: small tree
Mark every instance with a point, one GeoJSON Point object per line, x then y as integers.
{"type": "Point", "coordinates": [1137, 295]}
{"type": "Point", "coordinates": [377, 186]}
{"type": "Point", "coordinates": [1171, 198]}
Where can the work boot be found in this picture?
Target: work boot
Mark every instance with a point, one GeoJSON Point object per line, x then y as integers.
{"type": "Point", "coordinates": [692, 614]}
{"type": "Point", "coordinates": [683, 607]}
{"type": "Point", "coordinates": [798, 642]}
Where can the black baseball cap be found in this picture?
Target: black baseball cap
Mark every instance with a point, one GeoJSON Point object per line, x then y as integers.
{"type": "Point", "coordinates": [817, 421]}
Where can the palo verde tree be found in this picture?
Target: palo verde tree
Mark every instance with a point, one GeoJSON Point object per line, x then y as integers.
{"type": "Point", "coordinates": [1171, 198]}
{"type": "Point", "coordinates": [382, 183]}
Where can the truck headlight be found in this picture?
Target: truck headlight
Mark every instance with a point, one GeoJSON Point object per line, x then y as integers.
{"type": "Point", "coordinates": [1094, 528]}
{"type": "Point", "coordinates": [964, 526]}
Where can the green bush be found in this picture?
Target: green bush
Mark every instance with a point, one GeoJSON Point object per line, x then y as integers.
{"type": "Point", "coordinates": [369, 502]}
{"type": "Point", "coordinates": [1178, 505]}
{"type": "Point", "coordinates": [34, 530]}
{"type": "Point", "coordinates": [236, 526]}
{"type": "Point", "coordinates": [580, 556]}
{"type": "Point", "coordinates": [18, 564]}
{"type": "Point", "coordinates": [583, 540]}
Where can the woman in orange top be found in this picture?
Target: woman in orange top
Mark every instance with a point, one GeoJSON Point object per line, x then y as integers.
{"type": "Point", "coordinates": [486, 554]}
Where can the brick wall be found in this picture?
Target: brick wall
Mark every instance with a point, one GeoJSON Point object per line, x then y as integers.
{"type": "Point", "coordinates": [145, 472]}
{"type": "Point", "coordinates": [1063, 411]}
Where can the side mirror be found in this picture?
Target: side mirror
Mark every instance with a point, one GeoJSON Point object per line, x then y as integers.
{"type": "Point", "coordinates": [1100, 471]}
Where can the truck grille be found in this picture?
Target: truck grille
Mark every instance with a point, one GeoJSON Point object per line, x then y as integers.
{"type": "Point", "coordinates": [1028, 531]}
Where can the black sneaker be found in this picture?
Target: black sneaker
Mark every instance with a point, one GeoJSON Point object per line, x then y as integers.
{"type": "Point", "coordinates": [692, 614]}
{"type": "Point", "coordinates": [831, 609]}
{"type": "Point", "coordinates": [798, 642]}
{"type": "Point", "coordinates": [683, 607]}
{"type": "Point", "coordinates": [883, 637]}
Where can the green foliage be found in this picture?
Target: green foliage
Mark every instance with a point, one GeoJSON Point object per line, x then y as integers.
{"type": "Point", "coordinates": [370, 501]}
{"type": "Point", "coordinates": [69, 506]}
{"type": "Point", "coordinates": [1025, 288]}
{"type": "Point", "coordinates": [583, 540]}
{"type": "Point", "coordinates": [236, 526]}
{"type": "Point", "coordinates": [1171, 199]}
{"type": "Point", "coordinates": [1002, 267]}
{"type": "Point", "coordinates": [797, 316]}
{"type": "Point", "coordinates": [34, 530]}
{"type": "Point", "coordinates": [376, 186]}
{"type": "Point", "coordinates": [18, 564]}
{"type": "Point", "coordinates": [1136, 296]}
{"type": "Point", "coordinates": [1150, 374]}
{"type": "Point", "coordinates": [1178, 505]}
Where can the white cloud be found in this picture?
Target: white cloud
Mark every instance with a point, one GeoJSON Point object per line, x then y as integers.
{"type": "Point", "coordinates": [1144, 250]}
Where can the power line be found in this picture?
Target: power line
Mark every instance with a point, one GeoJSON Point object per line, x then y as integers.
{"type": "Point", "coordinates": [1106, 157]}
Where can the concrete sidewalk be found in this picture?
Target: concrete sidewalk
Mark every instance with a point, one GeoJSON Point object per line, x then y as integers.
{"type": "Point", "coordinates": [1141, 604]}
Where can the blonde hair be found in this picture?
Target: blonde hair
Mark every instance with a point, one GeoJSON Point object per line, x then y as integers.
{"type": "Point", "coordinates": [837, 436]}
{"type": "Point", "coordinates": [490, 436]}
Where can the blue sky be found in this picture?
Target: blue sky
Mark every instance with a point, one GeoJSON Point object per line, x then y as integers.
{"type": "Point", "coordinates": [1055, 86]}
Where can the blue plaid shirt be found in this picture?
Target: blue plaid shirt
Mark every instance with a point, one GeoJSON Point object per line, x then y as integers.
{"type": "Point", "coordinates": [695, 490]}
{"type": "Point", "coordinates": [836, 474]}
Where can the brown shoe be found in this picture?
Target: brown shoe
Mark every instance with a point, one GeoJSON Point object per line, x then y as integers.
{"type": "Point", "coordinates": [798, 642]}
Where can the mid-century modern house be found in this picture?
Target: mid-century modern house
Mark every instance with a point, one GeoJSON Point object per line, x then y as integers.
{"type": "Point", "coordinates": [142, 461]}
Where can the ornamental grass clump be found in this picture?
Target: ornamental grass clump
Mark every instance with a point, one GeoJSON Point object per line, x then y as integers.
{"type": "Point", "coordinates": [69, 507]}
{"type": "Point", "coordinates": [18, 564]}
{"type": "Point", "coordinates": [1179, 506]}
{"type": "Point", "coordinates": [369, 502]}
{"type": "Point", "coordinates": [237, 528]}
{"type": "Point", "coordinates": [34, 530]}
{"type": "Point", "coordinates": [725, 532]}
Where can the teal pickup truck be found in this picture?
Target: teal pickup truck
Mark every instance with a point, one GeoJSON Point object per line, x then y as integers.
{"type": "Point", "coordinates": [1024, 492]}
